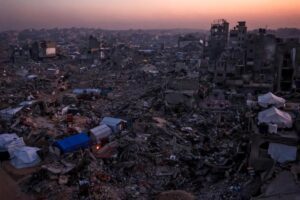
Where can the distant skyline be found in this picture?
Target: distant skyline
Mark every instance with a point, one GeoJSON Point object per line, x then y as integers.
{"type": "Point", "coordinates": [146, 14]}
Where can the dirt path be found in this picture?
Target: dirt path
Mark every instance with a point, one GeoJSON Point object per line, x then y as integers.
{"type": "Point", "coordinates": [9, 189]}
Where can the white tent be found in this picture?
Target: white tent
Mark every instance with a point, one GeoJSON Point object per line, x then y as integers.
{"type": "Point", "coordinates": [23, 157]}
{"type": "Point", "coordinates": [282, 153]}
{"type": "Point", "coordinates": [275, 116]}
{"type": "Point", "coordinates": [100, 132]}
{"type": "Point", "coordinates": [268, 99]}
{"type": "Point", "coordinates": [6, 139]}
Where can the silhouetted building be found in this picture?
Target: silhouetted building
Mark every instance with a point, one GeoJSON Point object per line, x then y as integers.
{"type": "Point", "coordinates": [94, 44]}
{"type": "Point", "coordinates": [238, 35]}
{"type": "Point", "coordinates": [260, 57]}
{"type": "Point", "coordinates": [231, 62]}
{"type": "Point", "coordinates": [288, 65]}
{"type": "Point", "coordinates": [43, 49]}
{"type": "Point", "coordinates": [20, 54]}
{"type": "Point", "coordinates": [218, 38]}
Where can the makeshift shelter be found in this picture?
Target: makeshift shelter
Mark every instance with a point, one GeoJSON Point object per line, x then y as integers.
{"type": "Point", "coordinates": [275, 116]}
{"type": "Point", "coordinates": [270, 99]}
{"type": "Point", "coordinates": [115, 124]}
{"type": "Point", "coordinates": [100, 132]}
{"type": "Point", "coordinates": [9, 113]}
{"type": "Point", "coordinates": [282, 153]}
{"type": "Point", "coordinates": [73, 143]}
{"type": "Point", "coordinates": [79, 91]}
{"type": "Point", "coordinates": [8, 143]}
{"type": "Point", "coordinates": [6, 139]}
{"type": "Point", "coordinates": [23, 157]}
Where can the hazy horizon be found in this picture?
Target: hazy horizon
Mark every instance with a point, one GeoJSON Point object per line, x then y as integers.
{"type": "Point", "coordinates": [146, 14]}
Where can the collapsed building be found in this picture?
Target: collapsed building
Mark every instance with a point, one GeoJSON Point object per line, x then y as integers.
{"type": "Point", "coordinates": [287, 65]}
{"type": "Point", "coordinates": [218, 38]}
{"type": "Point", "coordinates": [254, 61]}
{"type": "Point", "coordinates": [238, 36]}
{"type": "Point", "coordinates": [260, 58]}
{"type": "Point", "coordinates": [182, 92]}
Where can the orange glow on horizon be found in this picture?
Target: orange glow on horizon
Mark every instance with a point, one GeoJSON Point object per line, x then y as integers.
{"type": "Point", "coordinates": [149, 13]}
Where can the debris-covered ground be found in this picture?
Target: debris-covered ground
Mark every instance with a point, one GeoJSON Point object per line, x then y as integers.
{"type": "Point", "coordinates": [175, 135]}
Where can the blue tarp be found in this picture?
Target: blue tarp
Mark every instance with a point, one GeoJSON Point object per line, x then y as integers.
{"type": "Point", "coordinates": [73, 143]}
{"type": "Point", "coordinates": [102, 91]}
{"type": "Point", "coordinates": [86, 91]}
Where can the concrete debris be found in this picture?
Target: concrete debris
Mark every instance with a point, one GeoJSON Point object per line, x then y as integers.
{"type": "Point", "coordinates": [94, 114]}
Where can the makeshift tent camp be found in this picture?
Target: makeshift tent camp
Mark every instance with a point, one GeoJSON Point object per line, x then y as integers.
{"type": "Point", "coordinates": [275, 116]}
{"type": "Point", "coordinates": [23, 157]}
{"type": "Point", "coordinates": [73, 143]}
{"type": "Point", "coordinates": [270, 99]}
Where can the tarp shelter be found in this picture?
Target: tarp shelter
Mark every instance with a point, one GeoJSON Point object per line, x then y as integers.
{"type": "Point", "coordinates": [10, 113]}
{"type": "Point", "coordinates": [6, 139]}
{"type": "Point", "coordinates": [100, 132]}
{"type": "Point", "coordinates": [27, 103]}
{"type": "Point", "coordinates": [115, 124]}
{"type": "Point", "coordinates": [8, 143]}
{"type": "Point", "coordinates": [87, 91]}
{"type": "Point", "coordinates": [17, 143]}
{"type": "Point", "coordinates": [23, 157]}
{"type": "Point", "coordinates": [73, 143]}
{"type": "Point", "coordinates": [282, 153]}
{"type": "Point", "coordinates": [275, 116]}
{"type": "Point", "coordinates": [269, 99]}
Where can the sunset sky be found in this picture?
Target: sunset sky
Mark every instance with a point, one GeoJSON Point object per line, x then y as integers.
{"type": "Point", "coordinates": [146, 14]}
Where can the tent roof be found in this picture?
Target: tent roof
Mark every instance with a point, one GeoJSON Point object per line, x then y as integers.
{"type": "Point", "coordinates": [26, 154]}
{"type": "Point", "coordinates": [110, 121]}
{"type": "Point", "coordinates": [100, 129]}
{"type": "Point", "coordinates": [276, 116]}
{"type": "Point", "coordinates": [270, 99]}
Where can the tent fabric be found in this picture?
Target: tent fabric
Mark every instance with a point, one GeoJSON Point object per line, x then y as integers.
{"type": "Point", "coordinates": [275, 116]}
{"type": "Point", "coordinates": [113, 123]}
{"type": "Point", "coordinates": [17, 143]}
{"type": "Point", "coordinates": [270, 99]}
{"type": "Point", "coordinates": [87, 91]}
{"type": "Point", "coordinates": [6, 139]}
{"type": "Point", "coordinates": [272, 128]}
{"type": "Point", "coordinates": [100, 132]}
{"type": "Point", "coordinates": [23, 157]}
{"type": "Point", "coordinates": [73, 143]}
{"type": "Point", "coordinates": [282, 153]}
{"type": "Point", "coordinates": [9, 113]}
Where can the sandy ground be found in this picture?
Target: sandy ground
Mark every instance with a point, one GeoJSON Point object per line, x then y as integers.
{"type": "Point", "coordinates": [9, 189]}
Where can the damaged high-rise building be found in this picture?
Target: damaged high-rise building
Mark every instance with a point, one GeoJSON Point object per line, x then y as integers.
{"type": "Point", "coordinates": [238, 35]}
{"type": "Point", "coordinates": [218, 38]}
{"type": "Point", "coordinates": [260, 57]}
{"type": "Point", "coordinates": [231, 62]}
{"type": "Point", "coordinates": [288, 65]}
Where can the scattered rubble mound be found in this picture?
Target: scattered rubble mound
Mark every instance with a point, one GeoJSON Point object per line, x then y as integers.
{"type": "Point", "coordinates": [175, 195]}
{"type": "Point", "coordinates": [136, 128]}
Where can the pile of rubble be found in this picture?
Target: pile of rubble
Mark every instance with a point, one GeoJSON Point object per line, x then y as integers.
{"type": "Point", "coordinates": [133, 135]}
